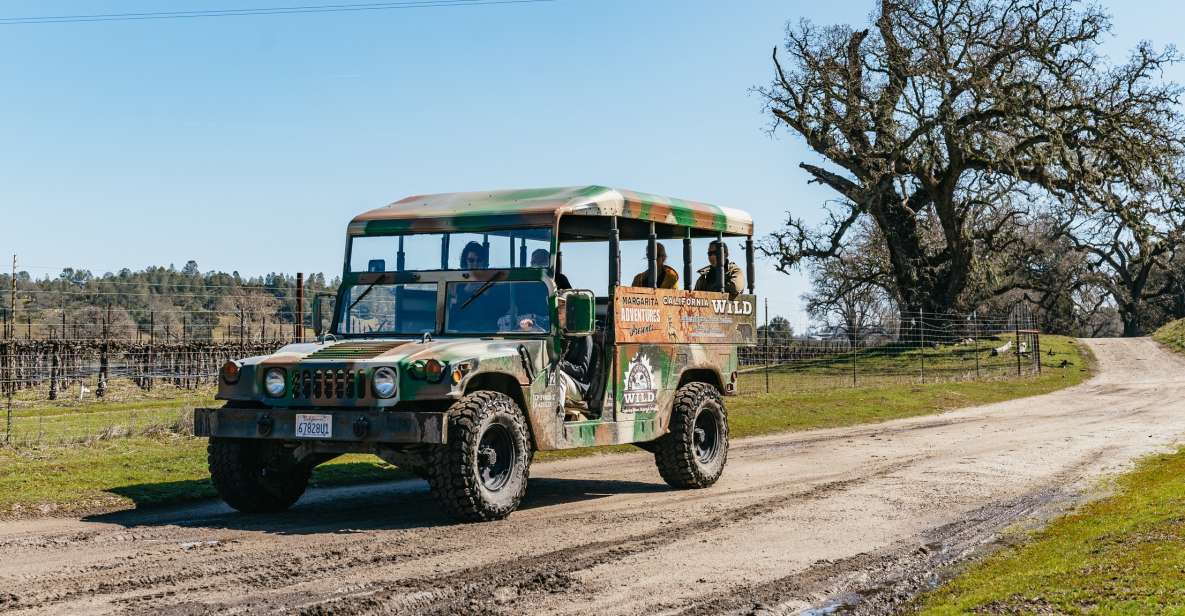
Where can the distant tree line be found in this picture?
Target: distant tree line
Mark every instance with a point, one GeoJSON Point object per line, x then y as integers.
{"type": "Point", "coordinates": [162, 302]}
{"type": "Point", "coordinates": [985, 152]}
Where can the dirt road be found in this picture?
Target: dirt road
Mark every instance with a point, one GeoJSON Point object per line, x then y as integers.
{"type": "Point", "coordinates": [857, 517]}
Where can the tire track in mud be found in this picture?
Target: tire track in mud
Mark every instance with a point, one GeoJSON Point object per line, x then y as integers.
{"type": "Point", "coordinates": [885, 580]}
{"type": "Point", "coordinates": [164, 571]}
{"type": "Point", "coordinates": [215, 567]}
{"type": "Point", "coordinates": [500, 586]}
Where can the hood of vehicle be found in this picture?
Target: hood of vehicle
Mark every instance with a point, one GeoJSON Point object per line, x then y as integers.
{"type": "Point", "coordinates": [397, 351]}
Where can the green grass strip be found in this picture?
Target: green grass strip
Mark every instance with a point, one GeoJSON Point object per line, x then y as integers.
{"type": "Point", "coordinates": [1172, 336]}
{"type": "Point", "coordinates": [1121, 555]}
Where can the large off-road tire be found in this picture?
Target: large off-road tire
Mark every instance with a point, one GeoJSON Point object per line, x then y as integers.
{"type": "Point", "coordinates": [256, 476]}
{"type": "Point", "coordinates": [693, 453]}
{"type": "Point", "coordinates": [481, 473]}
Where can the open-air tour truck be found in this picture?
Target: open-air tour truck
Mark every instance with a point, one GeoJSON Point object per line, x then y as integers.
{"type": "Point", "coordinates": [448, 337]}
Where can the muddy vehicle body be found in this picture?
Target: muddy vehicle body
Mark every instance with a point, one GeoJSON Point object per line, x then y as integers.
{"type": "Point", "coordinates": [446, 341]}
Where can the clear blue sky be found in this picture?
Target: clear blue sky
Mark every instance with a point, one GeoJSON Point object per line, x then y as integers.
{"type": "Point", "coordinates": [247, 143]}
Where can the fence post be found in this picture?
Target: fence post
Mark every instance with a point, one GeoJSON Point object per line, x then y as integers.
{"type": "Point", "coordinates": [1037, 340]}
{"type": "Point", "coordinates": [853, 361]}
{"type": "Point", "coordinates": [922, 337]}
{"type": "Point", "coordinates": [975, 334]}
{"type": "Point", "coordinates": [767, 357]}
{"type": "Point", "coordinates": [1016, 330]}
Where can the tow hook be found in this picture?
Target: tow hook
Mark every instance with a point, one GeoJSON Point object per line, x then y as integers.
{"type": "Point", "coordinates": [264, 424]}
{"type": "Point", "coordinates": [361, 427]}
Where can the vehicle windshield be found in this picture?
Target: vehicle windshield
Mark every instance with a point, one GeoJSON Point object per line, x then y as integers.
{"type": "Point", "coordinates": [510, 248]}
{"type": "Point", "coordinates": [497, 308]}
{"type": "Point", "coordinates": [408, 308]}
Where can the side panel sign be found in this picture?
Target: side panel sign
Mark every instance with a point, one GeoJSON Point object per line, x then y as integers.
{"type": "Point", "coordinates": [677, 316]}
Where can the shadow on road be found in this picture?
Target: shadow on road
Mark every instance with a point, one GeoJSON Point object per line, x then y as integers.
{"type": "Point", "coordinates": [389, 505]}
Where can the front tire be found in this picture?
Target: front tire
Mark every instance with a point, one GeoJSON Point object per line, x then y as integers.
{"type": "Point", "coordinates": [256, 476]}
{"type": "Point", "coordinates": [481, 473]}
{"type": "Point", "coordinates": [692, 454]}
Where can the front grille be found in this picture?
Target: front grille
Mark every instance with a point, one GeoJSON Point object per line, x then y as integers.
{"type": "Point", "coordinates": [328, 384]}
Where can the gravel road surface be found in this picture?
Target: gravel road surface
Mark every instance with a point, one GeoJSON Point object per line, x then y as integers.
{"type": "Point", "coordinates": [855, 519]}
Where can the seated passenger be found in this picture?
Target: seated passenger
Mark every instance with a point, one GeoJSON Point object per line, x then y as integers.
{"type": "Point", "coordinates": [574, 376]}
{"type": "Point", "coordinates": [542, 258]}
{"type": "Point", "coordinates": [709, 277]}
{"type": "Point", "coordinates": [473, 256]}
{"type": "Point", "coordinates": [668, 278]}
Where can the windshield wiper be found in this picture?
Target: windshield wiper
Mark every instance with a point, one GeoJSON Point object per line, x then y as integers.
{"type": "Point", "coordinates": [483, 288]}
{"type": "Point", "coordinates": [364, 292]}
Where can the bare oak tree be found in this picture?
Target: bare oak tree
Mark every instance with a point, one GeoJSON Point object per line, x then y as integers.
{"type": "Point", "coordinates": [930, 121]}
{"type": "Point", "coordinates": [851, 292]}
{"type": "Point", "coordinates": [1132, 231]}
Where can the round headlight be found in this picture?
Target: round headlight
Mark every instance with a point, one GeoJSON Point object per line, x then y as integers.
{"type": "Point", "coordinates": [384, 382]}
{"type": "Point", "coordinates": [230, 372]}
{"type": "Point", "coordinates": [274, 382]}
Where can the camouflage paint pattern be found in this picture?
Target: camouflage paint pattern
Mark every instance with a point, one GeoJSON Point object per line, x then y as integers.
{"type": "Point", "coordinates": [646, 367]}
{"type": "Point", "coordinates": [475, 211]}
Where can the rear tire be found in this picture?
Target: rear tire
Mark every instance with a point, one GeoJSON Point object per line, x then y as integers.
{"type": "Point", "coordinates": [692, 454]}
{"type": "Point", "coordinates": [256, 476]}
{"type": "Point", "coordinates": [481, 473]}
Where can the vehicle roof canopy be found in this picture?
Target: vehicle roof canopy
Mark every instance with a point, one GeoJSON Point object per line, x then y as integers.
{"type": "Point", "coordinates": [581, 212]}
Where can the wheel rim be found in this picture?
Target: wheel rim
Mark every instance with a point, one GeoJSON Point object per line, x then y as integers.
{"type": "Point", "coordinates": [707, 436]}
{"type": "Point", "coordinates": [495, 457]}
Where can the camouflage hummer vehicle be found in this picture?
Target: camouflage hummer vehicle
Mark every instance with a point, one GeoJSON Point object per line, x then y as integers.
{"type": "Point", "coordinates": [443, 351]}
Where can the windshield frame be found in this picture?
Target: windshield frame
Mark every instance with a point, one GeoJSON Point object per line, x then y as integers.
{"type": "Point", "coordinates": [500, 232]}
{"type": "Point", "coordinates": [442, 278]}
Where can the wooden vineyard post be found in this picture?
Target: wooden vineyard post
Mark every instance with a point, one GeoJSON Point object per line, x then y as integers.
{"type": "Point", "coordinates": [53, 371]}
{"type": "Point", "coordinates": [8, 378]}
{"type": "Point", "coordinates": [101, 388]}
{"type": "Point", "coordinates": [298, 333]}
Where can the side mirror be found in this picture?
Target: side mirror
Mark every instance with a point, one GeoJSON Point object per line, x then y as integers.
{"type": "Point", "coordinates": [319, 314]}
{"type": "Point", "coordinates": [577, 312]}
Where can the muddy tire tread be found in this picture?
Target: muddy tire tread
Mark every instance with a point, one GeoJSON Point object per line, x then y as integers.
{"type": "Point", "coordinates": [674, 452]}
{"type": "Point", "coordinates": [458, 491]}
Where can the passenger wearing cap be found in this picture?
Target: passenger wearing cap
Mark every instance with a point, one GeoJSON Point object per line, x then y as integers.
{"type": "Point", "coordinates": [709, 277]}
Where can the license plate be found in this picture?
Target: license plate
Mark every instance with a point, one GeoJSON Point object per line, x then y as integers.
{"type": "Point", "coordinates": [314, 426]}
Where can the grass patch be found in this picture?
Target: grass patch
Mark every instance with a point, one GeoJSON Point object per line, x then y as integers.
{"type": "Point", "coordinates": [1121, 555]}
{"type": "Point", "coordinates": [1172, 336]}
{"type": "Point", "coordinates": [136, 471]}
{"type": "Point", "coordinates": [158, 466]}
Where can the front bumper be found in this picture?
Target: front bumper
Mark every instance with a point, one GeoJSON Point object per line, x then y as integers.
{"type": "Point", "coordinates": [349, 425]}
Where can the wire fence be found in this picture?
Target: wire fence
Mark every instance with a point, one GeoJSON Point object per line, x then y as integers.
{"type": "Point", "coordinates": [66, 389]}
{"type": "Point", "coordinates": [901, 348]}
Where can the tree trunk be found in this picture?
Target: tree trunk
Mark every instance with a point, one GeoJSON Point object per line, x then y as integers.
{"type": "Point", "coordinates": [1129, 313]}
